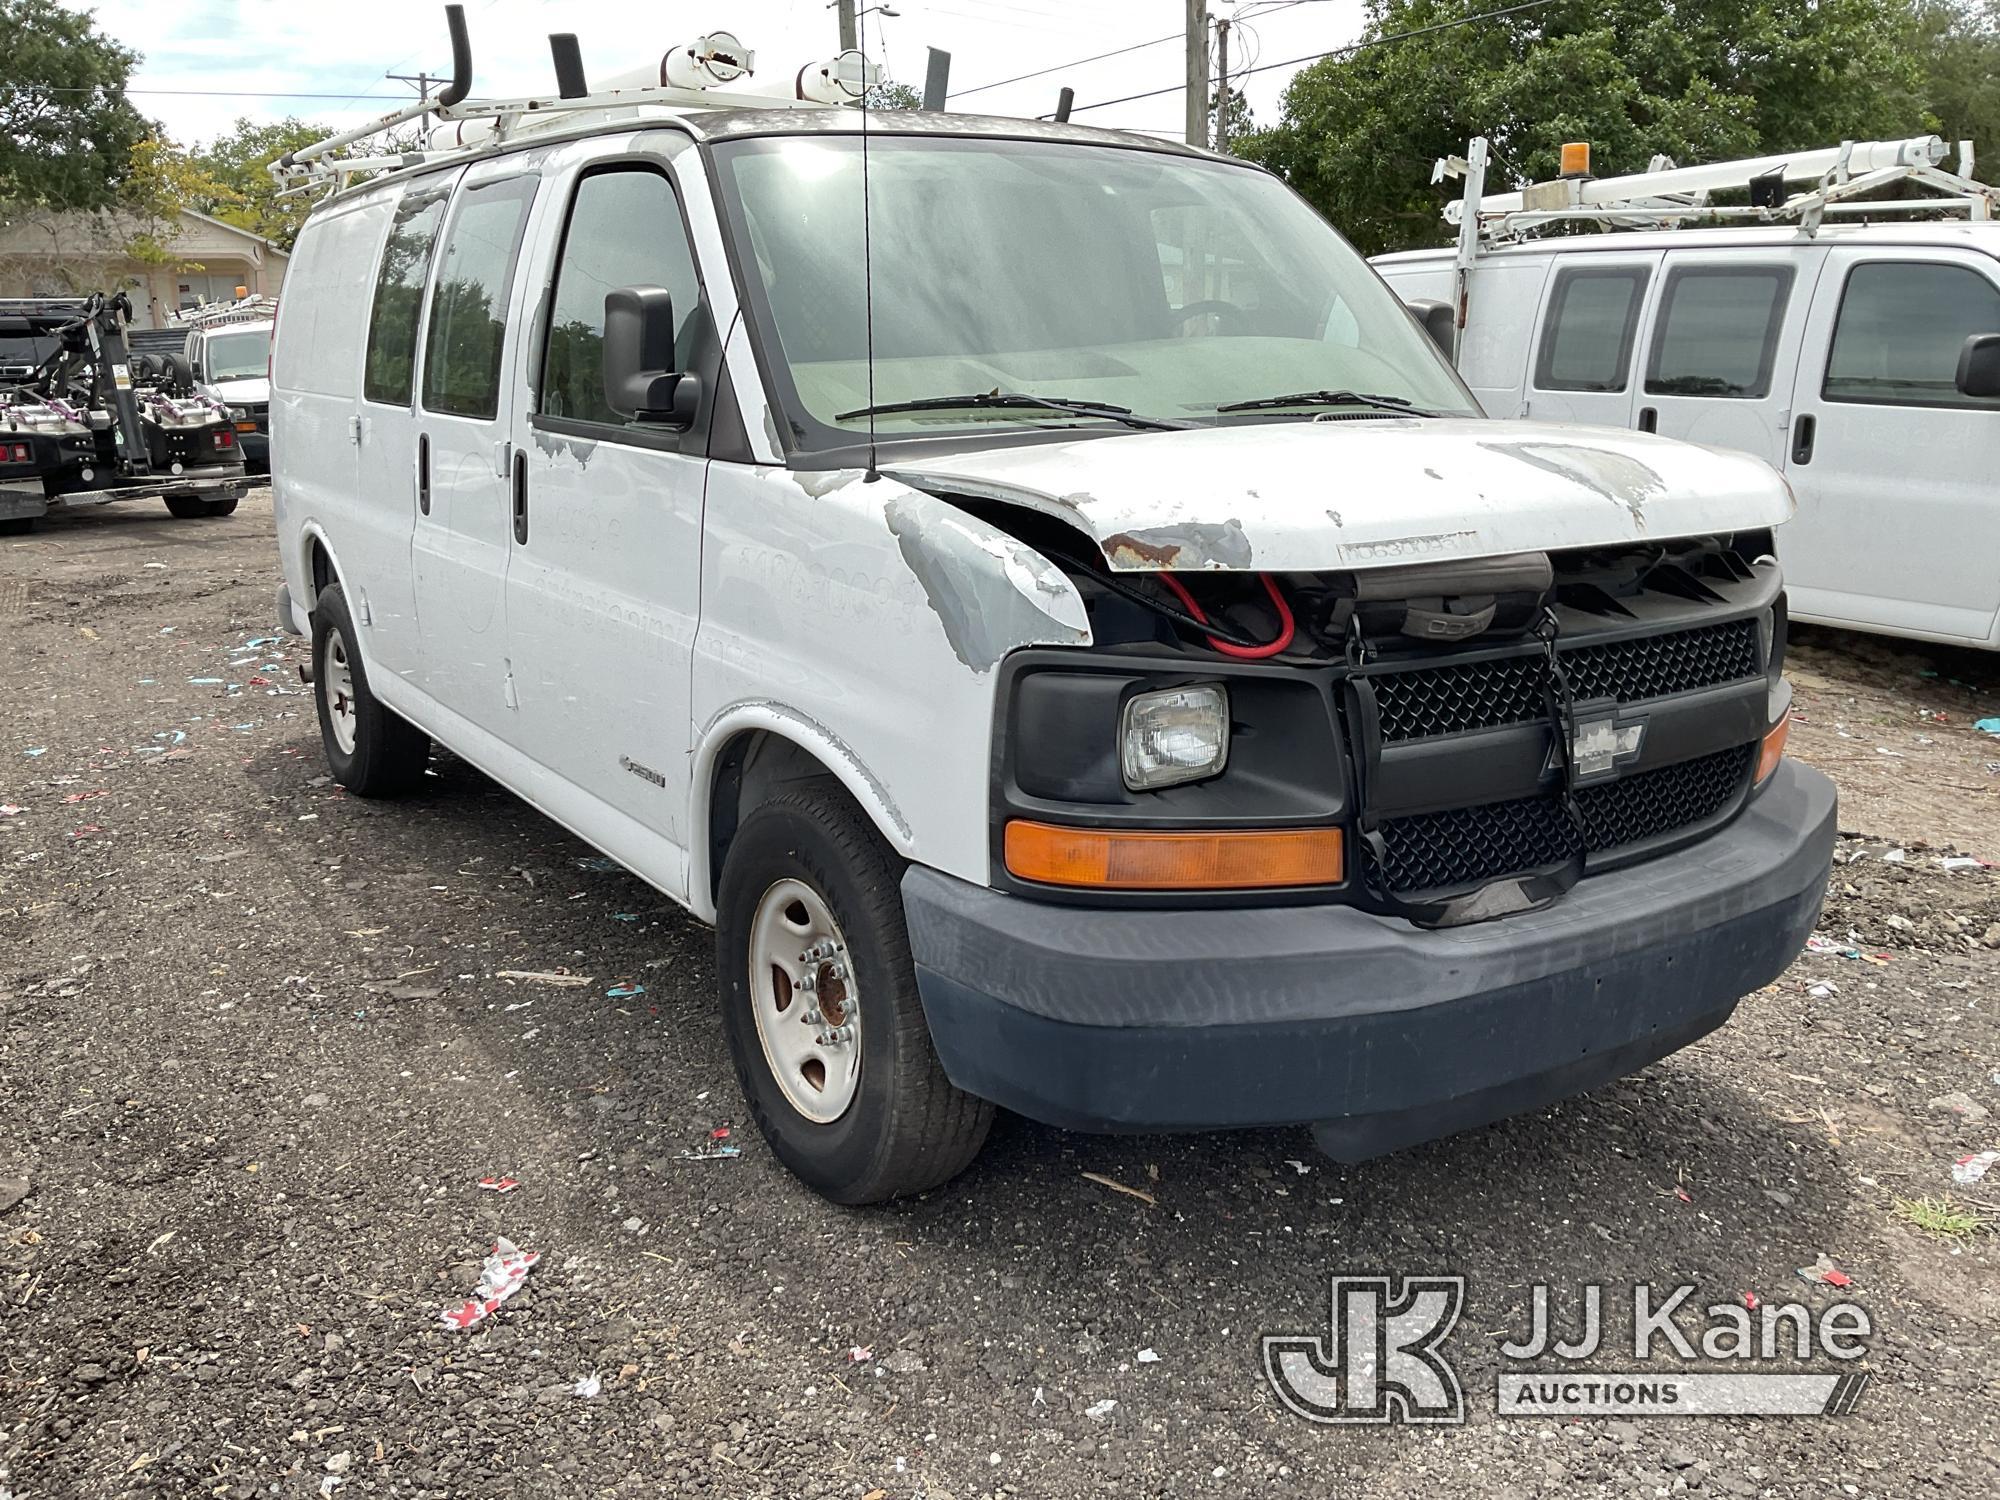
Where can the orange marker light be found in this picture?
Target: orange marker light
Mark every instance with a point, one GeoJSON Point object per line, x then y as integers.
{"type": "Point", "coordinates": [1154, 861]}
{"type": "Point", "coordinates": [1576, 159]}
{"type": "Point", "coordinates": [1773, 748]}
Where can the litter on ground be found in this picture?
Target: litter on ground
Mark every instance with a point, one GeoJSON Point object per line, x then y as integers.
{"type": "Point", "coordinates": [1968, 1170]}
{"type": "Point", "coordinates": [1824, 1272]}
{"type": "Point", "coordinates": [501, 1276]}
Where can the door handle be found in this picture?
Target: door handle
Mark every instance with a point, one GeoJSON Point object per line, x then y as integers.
{"type": "Point", "coordinates": [1649, 419]}
{"type": "Point", "coordinates": [1804, 430]}
{"type": "Point", "coordinates": [521, 498]}
{"type": "Point", "coordinates": [424, 472]}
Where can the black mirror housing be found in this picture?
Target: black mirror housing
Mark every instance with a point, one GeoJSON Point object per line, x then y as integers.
{"type": "Point", "coordinates": [1439, 322]}
{"type": "Point", "coordinates": [1979, 367]}
{"type": "Point", "coordinates": [640, 380]}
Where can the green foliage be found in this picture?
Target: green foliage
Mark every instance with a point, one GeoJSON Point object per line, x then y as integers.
{"type": "Point", "coordinates": [1701, 80]}
{"type": "Point", "coordinates": [248, 199]}
{"type": "Point", "coordinates": [1959, 44]}
{"type": "Point", "coordinates": [892, 95]}
{"type": "Point", "coordinates": [161, 181]}
{"type": "Point", "coordinates": [67, 131]}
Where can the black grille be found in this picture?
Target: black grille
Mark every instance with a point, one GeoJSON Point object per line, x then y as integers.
{"type": "Point", "coordinates": [1652, 666]}
{"type": "Point", "coordinates": [1488, 694]}
{"type": "Point", "coordinates": [1468, 845]}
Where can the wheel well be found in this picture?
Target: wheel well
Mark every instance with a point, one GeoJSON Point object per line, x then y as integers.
{"type": "Point", "coordinates": [322, 570]}
{"type": "Point", "coordinates": [752, 766]}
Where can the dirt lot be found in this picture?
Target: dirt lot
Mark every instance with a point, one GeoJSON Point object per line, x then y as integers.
{"type": "Point", "coordinates": [255, 1056]}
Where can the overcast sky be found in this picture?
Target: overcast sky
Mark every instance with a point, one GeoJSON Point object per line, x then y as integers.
{"type": "Point", "coordinates": [195, 50]}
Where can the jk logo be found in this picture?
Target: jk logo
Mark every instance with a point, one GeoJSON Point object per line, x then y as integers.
{"type": "Point", "coordinates": [1379, 1361]}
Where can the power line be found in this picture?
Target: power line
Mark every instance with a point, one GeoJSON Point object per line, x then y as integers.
{"type": "Point", "coordinates": [1064, 67]}
{"type": "Point", "coordinates": [1293, 62]}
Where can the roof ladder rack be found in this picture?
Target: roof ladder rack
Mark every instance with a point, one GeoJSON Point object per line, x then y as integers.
{"type": "Point", "coordinates": [1836, 180]}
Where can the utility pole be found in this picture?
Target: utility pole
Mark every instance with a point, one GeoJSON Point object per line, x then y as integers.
{"type": "Point", "coordinates": [1222, 85]}
{"type": "Point", "coordinates": [422, 81]}
{"type": "Point", "coordinates": [849, 33]}
{"type": "Point", "coordinates": [1197, 72]}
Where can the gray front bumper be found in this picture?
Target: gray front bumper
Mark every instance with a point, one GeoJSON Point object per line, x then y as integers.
{"type": "Point", "coordinates": [1375, 1031]}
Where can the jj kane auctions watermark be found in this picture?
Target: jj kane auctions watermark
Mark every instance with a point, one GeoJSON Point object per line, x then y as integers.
{"type": "Point", "coordinates": [1383, 1358]}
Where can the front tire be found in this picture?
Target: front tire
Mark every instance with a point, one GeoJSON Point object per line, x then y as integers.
{"type": "Point", "coordinates": [820, 1006]}
{"type": "Point", "coordinates": [187, 507]}
{"type": "Point", "coordinates": [370, 750]}
{"type": "Point", "coordinates": [220, 507]}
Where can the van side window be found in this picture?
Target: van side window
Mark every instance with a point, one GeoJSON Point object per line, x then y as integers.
{"type": "Point", "coordinates": [468, 321]}
{"type": "Point", "coordinates": [1718, 330]}
{"type": "Point", "coordinates": [399, 295]}
{"type": "Point", "coordinates": [1900, 329]}
{"type": "Point", "coordinates": [1593, 319]}
{"type": "Point", "coordinates": [624, 230]}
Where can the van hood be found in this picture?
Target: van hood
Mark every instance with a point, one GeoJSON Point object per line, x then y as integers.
{"type": "Point", "coordinates": [1343, 495]}
{"type": "Point", "coordinates": [251, 390]}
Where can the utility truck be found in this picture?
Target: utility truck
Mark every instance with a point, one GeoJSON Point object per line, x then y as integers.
{"type": "Point", "coordinates": [1038, 593]}
{"type": "Point", "coordinates": [1851, 342]}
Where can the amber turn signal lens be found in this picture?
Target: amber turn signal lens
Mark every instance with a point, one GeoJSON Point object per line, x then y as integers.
{"type": "Point", "coordinates": [1773, 748]}
{"type": "Point", "coordinates": [1576, 159]}
{"type": "Point", "coordinates": [1153, 861]}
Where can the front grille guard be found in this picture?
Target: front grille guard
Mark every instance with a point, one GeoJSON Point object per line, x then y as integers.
{"type": "Point", "coordinates": [1505, 895]}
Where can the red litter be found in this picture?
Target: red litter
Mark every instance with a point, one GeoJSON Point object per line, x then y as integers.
{"type": "Point", "coordinates": [1750, 1300]}
{"type": "Point", "coordinates": [502, 1275]}
{"type": "Point", "coordinates": [720, 1133]}
{"type": "Point", "coordinates": [498, 1184]}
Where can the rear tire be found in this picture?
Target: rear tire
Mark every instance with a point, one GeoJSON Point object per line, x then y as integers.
{"type": "Point", "coordinates": [17, 525]}
{"type": "Point", "coordinates": [187, 507]}
{"type": "Point", "coordinates": [220, 507]}
{"type": "Point", "coordinates": [370, 750]}
{"type": "Point", "coordinates": [904, 1127]}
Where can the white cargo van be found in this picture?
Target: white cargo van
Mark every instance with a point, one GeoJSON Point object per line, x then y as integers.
{"type": "Point", "coordinates": [228, 353]}
{"type": "Point", "coordinates": [1861, 359]}
{"type": "Point", "coordinates": [1043, 599]}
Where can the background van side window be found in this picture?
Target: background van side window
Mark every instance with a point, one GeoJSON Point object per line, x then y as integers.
{"type": "Point", "coordinates": [1718, 330]}
{"type": "Point", "coordinates": [1593, 319]}
{"type": "Point", "coordinates": [624, 230]}
{"type": "Point", "coordinates": [468, 319]}
{"type": "Point", "coordinates": [399, 295]}
{"type": "Point", "coordinates": [1900, 329]}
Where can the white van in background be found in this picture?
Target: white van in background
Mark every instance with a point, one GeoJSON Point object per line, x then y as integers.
{"type": "Point", "coordinates": [1862, 360]}
{"type": "Point", "coordinates": [1037, 592]}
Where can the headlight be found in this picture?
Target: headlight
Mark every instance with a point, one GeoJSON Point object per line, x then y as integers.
{"type": "Point", "coordinates": [1170, 737]}
{"type": "Point", "coordinates": [236, 413]}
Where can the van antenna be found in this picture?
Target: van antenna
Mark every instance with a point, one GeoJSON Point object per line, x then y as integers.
{"type": "Point", "coordinates": [867, 251]}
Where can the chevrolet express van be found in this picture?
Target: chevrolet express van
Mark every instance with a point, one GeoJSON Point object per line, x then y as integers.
{"type": "Point", "coordinates": [1038, 593]}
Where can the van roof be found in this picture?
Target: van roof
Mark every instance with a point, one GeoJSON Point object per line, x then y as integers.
{"type": "Point", "coordinates": [1980, 235]}
{"type": "Point", "coordinates": [750, 121]}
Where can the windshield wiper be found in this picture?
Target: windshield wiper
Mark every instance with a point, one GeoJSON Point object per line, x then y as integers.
{"type": "Point", "coordinates": [1331, 398]}
{"type": "Point", "coordinates": [1015, 400]}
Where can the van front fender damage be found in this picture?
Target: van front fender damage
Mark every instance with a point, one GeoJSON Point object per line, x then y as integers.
{"type": "Point", "coordinates": [991, 592]}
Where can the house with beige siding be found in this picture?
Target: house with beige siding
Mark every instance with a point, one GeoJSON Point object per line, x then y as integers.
{"type": "Point", "coordinates": [64, 254]}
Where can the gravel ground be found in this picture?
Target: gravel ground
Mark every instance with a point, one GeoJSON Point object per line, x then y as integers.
{"type": "Point", "coordinates": [256, 1052]}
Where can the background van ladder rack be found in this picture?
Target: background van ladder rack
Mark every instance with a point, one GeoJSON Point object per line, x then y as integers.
{"type": "Point", "coordinates": [1665, 195]}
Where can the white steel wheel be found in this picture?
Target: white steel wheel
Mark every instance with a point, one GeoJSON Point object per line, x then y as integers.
{"type": "Point", "coordinates": [804, 999]}
{"type": "Point", "coordinates": [336, 685]}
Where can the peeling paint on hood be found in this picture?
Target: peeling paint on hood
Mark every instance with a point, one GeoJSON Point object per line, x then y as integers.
{"type": "Point", "coordinates": [1312, 496]}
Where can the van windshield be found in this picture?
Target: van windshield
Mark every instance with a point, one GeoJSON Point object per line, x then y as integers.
{"type": "Point", "coordinates": [238, 356]}
{"type": "Point", "coordinates": [1170, 287]}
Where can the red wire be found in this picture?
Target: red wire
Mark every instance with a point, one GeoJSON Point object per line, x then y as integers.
{"type": "Point", "coordinates": [1286, 625]}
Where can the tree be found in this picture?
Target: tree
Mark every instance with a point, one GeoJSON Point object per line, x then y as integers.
{"type": "Point", "coordinates": [1960, 47]}
{"type": "Point", "coordinates": [891, 95]}
{"type": "Point", "coordinates": [1702, 80]}
{"type": "Point", "coordinates": [162, 181]}
{"type": "Point", "coordinates": [67, 130]}
{"type": "Point", "coordinates": [236, 162]}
